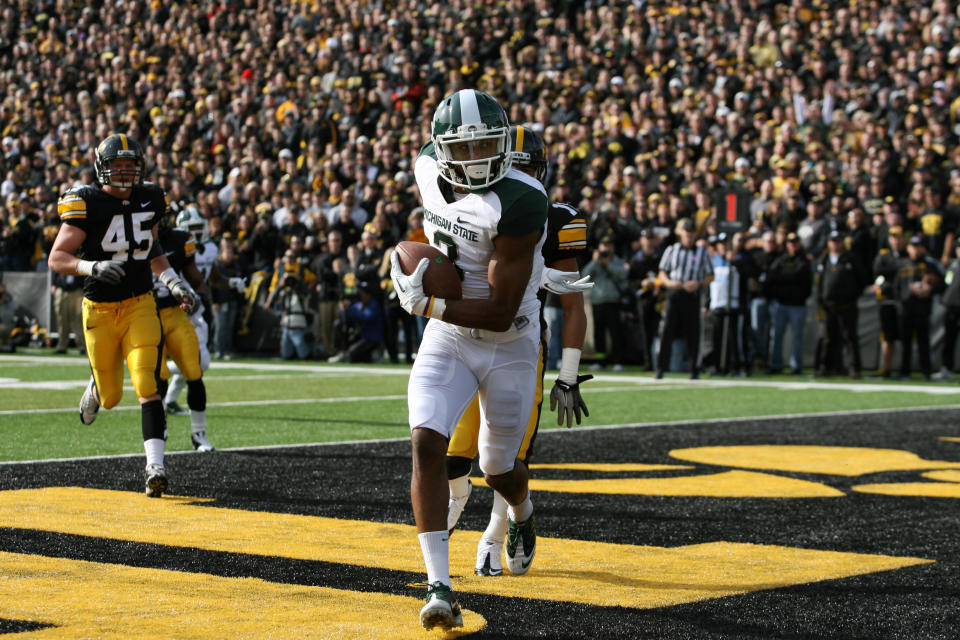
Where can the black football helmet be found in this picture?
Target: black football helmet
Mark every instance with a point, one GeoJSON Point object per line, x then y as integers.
{"type": "Point", "coordinates": [114, 147]}
{"type": "Point", "coordinates": [528, 153]}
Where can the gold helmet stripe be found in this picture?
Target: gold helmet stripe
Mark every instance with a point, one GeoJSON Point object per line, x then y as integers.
{"type": "Point", "coordinates": [519, 139]}
{"type": "Point", "coordinates": [123, 142]}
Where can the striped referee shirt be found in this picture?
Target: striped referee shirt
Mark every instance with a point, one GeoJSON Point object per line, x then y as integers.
{"type": "Point", "coordinates": [682, 264]}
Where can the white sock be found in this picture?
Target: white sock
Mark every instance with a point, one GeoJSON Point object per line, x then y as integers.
{"type": "Point", "coordinates": [459, 487]}
{"type": "Point", "coordinates": [198, 420]}
{"type": "Point", "coordinates": [177, 384]}
{"type": "Point", "coordinates": [496, 530]}
{"type": "Point", "coordinates": [154, 449]}
{"type": "Point", "coordinates": [521, 512]}
{"type": "Point", "coordinates": [435, 546]}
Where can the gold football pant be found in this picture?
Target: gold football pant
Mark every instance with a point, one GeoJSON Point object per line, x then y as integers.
{"type": "Point", "coordinates": [180, 340]}
{"type": "Point", "coordinates": [117, 331]}
{"type": "Point", "coordinates": [463, 444]}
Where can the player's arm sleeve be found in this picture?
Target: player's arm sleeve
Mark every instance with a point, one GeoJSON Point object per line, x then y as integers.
{"type": "Point", "coordinates": [525, 215]}
{"type": "Point", "coordinates": [72, 209]}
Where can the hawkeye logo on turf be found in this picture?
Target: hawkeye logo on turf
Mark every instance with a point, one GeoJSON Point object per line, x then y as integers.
{"type": "Point", "coordinates": [588, 573]}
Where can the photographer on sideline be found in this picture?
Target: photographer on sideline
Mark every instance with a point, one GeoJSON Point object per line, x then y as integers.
{"type": "Point", "coordinates": [291, 300]}
{"type": "Point", "coordinates": [609, 274]}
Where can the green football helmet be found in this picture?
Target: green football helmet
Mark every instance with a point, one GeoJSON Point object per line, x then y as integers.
{"type": "Point", "coordinates": [471, 136]}
{"type": "Point", "coordinates": [528, 152]}
{"type": "Point", "coordinates": [193, 222]}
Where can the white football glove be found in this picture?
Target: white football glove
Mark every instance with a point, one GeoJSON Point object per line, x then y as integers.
{"type": "Point", "coordinates": [180, 290]}
{"type": "Point", "coordinates": [409, 288]}
{"type": "Point", "coordinates": [566, 401]}
{"type": "Point", "coordinates": [104, 270]}
{"type": "Point", "coordinates": [238, 284]}
{"type": "Point", "coordinates": [563, 282]}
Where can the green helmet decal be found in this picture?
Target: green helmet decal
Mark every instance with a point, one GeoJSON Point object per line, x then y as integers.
{"type": "Point", "coordinates": [471, 139]}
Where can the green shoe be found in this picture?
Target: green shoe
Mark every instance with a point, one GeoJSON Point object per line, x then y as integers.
{"type": "Point", "coordinates": [441, 609]}
{"type": "Point", "coordinates": [521, 545]}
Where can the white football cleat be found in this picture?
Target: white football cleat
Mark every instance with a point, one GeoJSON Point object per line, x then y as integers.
{"type": "Point", "coordinates": [488, 558]}
{"type": "Point", "coordinates": [156, 480]}
{"type": "Point", "coordinates": [441, 610]}
{"type": "Point", "coordinates": [200, 442]}
{"type": "Point", "coordinates": [89, 405]}
{"type": "Point", "coordinates": [455, 508]}
{"type": "Point", "coordinates": [521, 545]}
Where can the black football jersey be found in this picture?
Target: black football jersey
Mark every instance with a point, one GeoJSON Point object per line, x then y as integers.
{"type": "Point", "coordinates": [566, 238]}
{"type": "Point", "coordinates": [566, 235]}
{"type": "Point", "coordinates": [180, 249]}
{"type": "Point", "coordinates": [117, 229]}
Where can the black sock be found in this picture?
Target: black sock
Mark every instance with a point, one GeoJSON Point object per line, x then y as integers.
{"type": "Point", "coordinates": [196, 395]}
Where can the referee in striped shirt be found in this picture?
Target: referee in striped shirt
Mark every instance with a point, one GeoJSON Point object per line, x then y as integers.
{"type": "Point", "coordinates": [684, 269]}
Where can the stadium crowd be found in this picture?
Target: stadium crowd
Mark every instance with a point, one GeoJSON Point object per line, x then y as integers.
{"type": "Point", "coordinates": [293, 127]}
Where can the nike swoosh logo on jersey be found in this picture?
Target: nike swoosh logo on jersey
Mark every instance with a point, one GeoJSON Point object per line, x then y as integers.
{"type": "Point", "coordinates": [145, 204]}
{"type": "Point", "coordinates": [459, 221]}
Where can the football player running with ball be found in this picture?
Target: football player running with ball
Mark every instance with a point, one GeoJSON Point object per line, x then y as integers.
{"type": "Point", "coordinates": [113, 229]}
{"type": "Point", "coordinates": [491, 222]}
{"type": "Point", "coordinates": [565, 245]}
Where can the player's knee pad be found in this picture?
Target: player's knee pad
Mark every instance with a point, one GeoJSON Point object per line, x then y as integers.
{"type": "Point", "coordinates": [496, 461]}
{"type": "Point", "coordinates": [196, 395]}
{"type": "Point", "coordinates": [145, 381]}
{"type": "Point", "coordinates": [110, 395]}
{"type": "Point", "coordinates": [153, 420]}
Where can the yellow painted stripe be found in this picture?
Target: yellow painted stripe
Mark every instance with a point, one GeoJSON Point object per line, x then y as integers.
{"type": "Point", "coordinates": [519, 139]}
{"type": "Point", "coordinates": [115, 601]}
{"type": "Point", "coordinates": [608, 467]}
{"type": "Point", "coordinates": [565, 570]}
{"type": "Point", "coordinates": [123, 141]}
{"type": "Point", "coordinates": [729, 484]}
{"type": "Point", "coordinates": [840, 461]}
{"type": "Point", "coordinates": [943, 476]}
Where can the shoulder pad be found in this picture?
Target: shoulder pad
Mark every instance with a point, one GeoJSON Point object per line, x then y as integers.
{"type": "Point", "coordinates": [72, 205]}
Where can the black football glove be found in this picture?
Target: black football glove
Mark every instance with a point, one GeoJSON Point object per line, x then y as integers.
{"type": "Point", "coordinates": [566, 401]}
{"type": "Point", "coordinates": [108, 271]}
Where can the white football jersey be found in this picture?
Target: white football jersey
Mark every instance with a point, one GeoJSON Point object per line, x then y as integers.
{"type": "Point", "coordinates": [464, 225]}
{"type": "Point", "coordinates": [204, 257]}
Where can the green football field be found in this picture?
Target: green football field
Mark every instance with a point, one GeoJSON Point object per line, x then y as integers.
{"type": "Point", "coordinates": [262, 402]}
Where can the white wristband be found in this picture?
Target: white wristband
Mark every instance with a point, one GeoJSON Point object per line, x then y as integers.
{"type": "Point", "coordinates": [168, 276]}
{"type": "Point", "coordinates": [85, 268]}
{"type": "Point", "coordinates": [569, 365]}
{"type": "Point", "coordinates": [435, 308]}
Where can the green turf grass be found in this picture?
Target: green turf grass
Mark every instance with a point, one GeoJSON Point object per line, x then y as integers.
{"type": "Point", "coordinates": [269, 402]}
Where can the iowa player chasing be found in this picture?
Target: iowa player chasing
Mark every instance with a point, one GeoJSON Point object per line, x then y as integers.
{"type": "Point", "coordinates": [191, 221]}
{"type": "Point", "coordinates": [109, 234]}
{"type": "Point", "coordinates": [180, 337]}
{"type": "Point", "coordinates": [565, 246]}
{"type": "Point", "coordinates": [488, 341]}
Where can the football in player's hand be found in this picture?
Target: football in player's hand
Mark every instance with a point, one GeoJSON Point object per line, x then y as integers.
{"type": "Point", "coordinates": [441, 278]}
